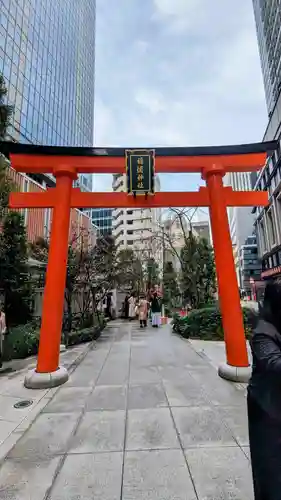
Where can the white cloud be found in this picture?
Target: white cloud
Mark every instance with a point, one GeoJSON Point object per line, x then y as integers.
{"type": "Point", "coordinates": [142, 47]}
{"type": "Point", "coordinates": [102, 182]}
{"type": "Point", "coordinates": [204, 18]}
{"type": "Point", "coordinates": [150, 100]}
{"type": "Point", "coordinates": [190, 76]}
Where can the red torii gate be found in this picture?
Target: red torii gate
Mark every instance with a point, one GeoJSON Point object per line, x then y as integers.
{"type": "Point", "coordinates": [65, 163]}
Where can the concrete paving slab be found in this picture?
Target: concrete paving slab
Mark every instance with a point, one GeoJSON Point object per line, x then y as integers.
{"type": "Point", "coordinates": [151, 429]}
{"type": "Point", "coordinates": [214, 351]}
{"type": "Point", "coordinates": [188, 393]}
{"type": "Point", "coordinates": [144, 375]}
{"type": "Point", "coordinates": [94, 363]}
{"type": "Point", "coordinates": [11, 414]}
{"type": "Point", "coordinates": [141, 356]}
{"type": "Point", "coordinates": [99, 431]}
{"type": "Point", "coordinates": [26, 479]}
{"type": "Point", "coordinates": [84, 377]}
{"type": "Point", "coordinates": [107, 397]}
{"type": "Point", "coordinates": [246, 450]}
{"type": "Point", "coordinates": [201, 426]}
{"type": "Point", "coordinates": [6, 428]}
{"type": "Point", "coordinates": [157, 475]}
{"type": "Point", "coordinates": [48, 436]}
{"type": "Point", "coordinates": [9, 443]}
{"type": "Point", "coordinates": [220, 391]}
{"type": "Point", "coordinates": [146, 396]}
{"type": "Point", "coordinates": [121, 347]}
{"type": "Point", "coordinates": [220, 473]}
{"type": "Point", "coordinates": [237, 421]}
{"type": "Point", "coordinates": [174, 372]}
{"type": "Point", "coordinates": [85, 477]}
{"type": "Point", "coordinates": [115, 373]}
{"type": "Point", "coordinates": [30, 417]}
{"type": "Point", "coordinates": [68, 399]}
{"type": "Point", "coordinates": [14, 387]}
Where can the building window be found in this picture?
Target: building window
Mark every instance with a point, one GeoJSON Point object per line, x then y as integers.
{"type": "Point", "coordinates": [271, 228]}
{"type": "Point", "coordinates": [262, 237]}
{"type": "Point", "coordinates": [130, 242]}
{"type": "Point", "coordinates": [129, 222]}
{"type": "Point", "coordinates": [119, 214]}
{"type": "Point", "coordinates": [278, 208]}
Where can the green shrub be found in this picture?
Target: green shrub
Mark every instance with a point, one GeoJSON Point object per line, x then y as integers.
{"type": "Point", "coordinates": [86, 335]}
{"type": "Point", "coordinates": [87, 321]}
{"type": "Point", "coordinates": [206, 324]}
{"type": "Point", "coordinates": [22, 341]}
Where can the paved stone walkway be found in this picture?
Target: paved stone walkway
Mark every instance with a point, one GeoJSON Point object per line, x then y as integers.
{"type": "Point", "coordinates": [14, 422]}
{"type": "Point", "coordinates": [143, 417]}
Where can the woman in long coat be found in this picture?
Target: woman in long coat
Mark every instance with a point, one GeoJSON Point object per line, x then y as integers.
{"type": "Point", "coordinates": [264, 398]}
{"type": "Point", "coordinates": [156, 310]}
{"type": "Point", "coordinates": [132, 307]}
{"type": "Point", "coordinates": [143, 311]}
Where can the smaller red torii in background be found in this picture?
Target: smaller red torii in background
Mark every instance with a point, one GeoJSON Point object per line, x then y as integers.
{"type": "Point", "coordinates": [66, 163]}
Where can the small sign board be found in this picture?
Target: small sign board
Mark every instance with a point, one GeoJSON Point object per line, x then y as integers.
{"type": "Point", "coordinates": [140, 171]}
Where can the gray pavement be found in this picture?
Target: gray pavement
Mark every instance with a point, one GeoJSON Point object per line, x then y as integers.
{"type": "Point", "coordinates": [214, 351]}
{"type": "Point", "coordinates": [144, 416]}
{"type": "Point", "coordinates": [14, 422]}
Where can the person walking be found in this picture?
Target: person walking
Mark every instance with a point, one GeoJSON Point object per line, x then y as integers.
{"type": "Point", "coordinates": [108, 310]}
{"type": "Point", "coordinates": [264, 397]}
{"type": "Point", "coordinates": [156, 310]}
{"type": "Point", "coordinates": [143, 311]}
{"type": "Point", "coordinates": [132, 307]}
{"type": "Point", "coordinates": [3, 331]}
{"type": "Point", "coordinates": [126, 307]}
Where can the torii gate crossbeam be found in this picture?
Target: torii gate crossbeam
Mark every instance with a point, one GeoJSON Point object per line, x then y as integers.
{"type": "Point", "coordinates": [65, 163]}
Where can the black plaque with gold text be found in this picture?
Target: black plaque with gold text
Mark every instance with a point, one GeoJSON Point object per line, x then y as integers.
{"type": "Point", "coordinates": [140, 171]}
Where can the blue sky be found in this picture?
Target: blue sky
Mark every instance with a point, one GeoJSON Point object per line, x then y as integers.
{"type": "Point", "coordinates": [178, 73]}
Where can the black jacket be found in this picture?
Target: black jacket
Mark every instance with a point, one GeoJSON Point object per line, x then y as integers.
{"type": "Point", "coordinates": [155, 305]}
{"type": "Point", "coordinates": [265, 382]}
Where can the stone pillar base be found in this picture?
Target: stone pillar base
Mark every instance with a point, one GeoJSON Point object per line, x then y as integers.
{"type": "Point", "coordinates": [62, 348]}
{"type": "Point", "coordinates": [36, 380]}
{"type": "Point", "coordinates": [235, 373]}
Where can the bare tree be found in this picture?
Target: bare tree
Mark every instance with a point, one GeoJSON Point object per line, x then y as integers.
{"type": "Point", "coordinates": [193, 255]}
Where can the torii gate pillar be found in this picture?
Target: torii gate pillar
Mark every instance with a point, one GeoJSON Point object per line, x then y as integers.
{"type": "Point", "coordinates": [47, 373]}
{"type": "Point", "coordinates": [237, 366]}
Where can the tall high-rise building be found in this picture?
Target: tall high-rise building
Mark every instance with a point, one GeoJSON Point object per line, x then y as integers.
{"type": "Point", "coordinates": [241, 219]}
{"type": "Point", "coordinates": [47, 57]}
{"type": "Point", "coordinates": [268, 23]}
{"type": "Point", "coordinates": [268, 219]}
{"type": "Point", "coordinates": [102, 219]}
{"type": "Point", "coordinates": [138, 229]}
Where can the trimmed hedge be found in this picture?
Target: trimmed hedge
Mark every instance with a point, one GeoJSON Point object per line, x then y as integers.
{"type": "Point", "coordinates": [85, 335]}
{"type": "Point", "coordinates": [206, 324]}
{"type": "Point", "coordinates": [23, 341]}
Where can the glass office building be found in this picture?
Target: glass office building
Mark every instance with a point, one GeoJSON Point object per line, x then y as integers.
{"type": "Point", "coordinates": [47, 57]}
{"type": "Point", "coordinates": [268, 219]}
{"type": "Point", "coordinates": [268, 24]}
{"type": "Point", "coordinates": [102, 219]}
